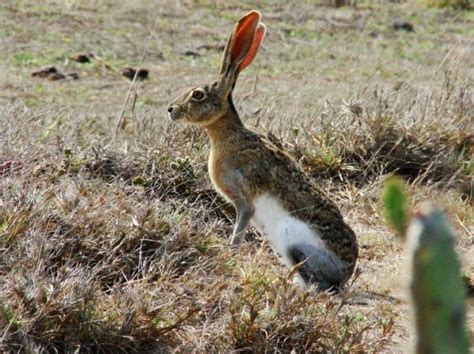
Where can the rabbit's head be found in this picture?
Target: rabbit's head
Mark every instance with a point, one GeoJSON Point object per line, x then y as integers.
{"type": "Point", "coordinates": [203, 105]}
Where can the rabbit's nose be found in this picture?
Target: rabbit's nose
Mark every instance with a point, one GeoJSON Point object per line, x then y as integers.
{"type": "Point", "coordinates": [172, 112]}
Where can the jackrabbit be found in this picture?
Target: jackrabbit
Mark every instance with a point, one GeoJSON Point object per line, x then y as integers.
{"type": "Point", "coordinates": [265, 185]}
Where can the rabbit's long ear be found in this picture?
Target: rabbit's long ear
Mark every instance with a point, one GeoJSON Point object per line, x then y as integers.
{"type": "Point", "coordinates": [241, 49]}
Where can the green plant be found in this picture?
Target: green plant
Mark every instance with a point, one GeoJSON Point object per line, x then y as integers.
{"type": "Point", "coordinates": [395, 204]}
{"type": "Point", "coordinates": [437, 287]}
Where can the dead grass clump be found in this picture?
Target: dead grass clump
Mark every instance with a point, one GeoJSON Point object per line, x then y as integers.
{"type": "Point", "coordinates": [339, 3]}
{"type": "Point", "coordinates": [394, 149]}
{"type": "Point", "coordinates": [68, 250]}
{"type": "Point", "coordinates": [455, 4]}
{"type": "Point", "coordinates": [427, 158]}
{"type": "Point", "coordinates": [55, 316]}
{"type": "Point", "coordinates": [69, 313]}
{"type": "Point", "coordinates": [362, 143]}
{"type": "Point", "coordinates": [266, 311]}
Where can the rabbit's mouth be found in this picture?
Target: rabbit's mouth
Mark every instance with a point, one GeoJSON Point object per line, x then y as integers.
{"type": "Point", "coordinates": [173, 116]}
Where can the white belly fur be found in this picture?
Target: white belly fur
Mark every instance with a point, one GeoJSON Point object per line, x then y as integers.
{"type": "Point", "coordinates": [280, 228]}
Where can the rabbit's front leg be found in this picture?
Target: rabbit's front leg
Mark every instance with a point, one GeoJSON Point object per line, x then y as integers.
{"type": "Point", "coordinates": [244, 212]}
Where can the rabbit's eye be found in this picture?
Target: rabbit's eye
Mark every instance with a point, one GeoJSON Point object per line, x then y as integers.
{"type": "Point", "coordinates": [198, 95]}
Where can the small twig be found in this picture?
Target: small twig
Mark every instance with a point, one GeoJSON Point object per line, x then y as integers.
{"type": "Point", "coordinates": [132, 84]}
{"type": "Point", "coordinates": [255, 83]}
{"type": "Point", "coordinates": [134, 103]}
{"type": "Point", "coordinates": [178, 323]}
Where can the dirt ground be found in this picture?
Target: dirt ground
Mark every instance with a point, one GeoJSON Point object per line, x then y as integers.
{"type": "Point", "coordinates": [111, 236]}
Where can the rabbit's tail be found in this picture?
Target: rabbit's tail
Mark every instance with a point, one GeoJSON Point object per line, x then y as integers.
{"type": "Point", "coordinates": [318, 266]}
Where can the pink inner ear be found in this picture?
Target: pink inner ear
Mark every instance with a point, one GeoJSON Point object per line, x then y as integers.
{"type": "Point", "coordinates": [244, 34]}
{"type": "Point", "coordinates": [256, 43]}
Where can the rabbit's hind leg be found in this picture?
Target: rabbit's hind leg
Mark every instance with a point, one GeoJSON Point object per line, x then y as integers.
{"type": "Point", "coordinates": [317, 266]}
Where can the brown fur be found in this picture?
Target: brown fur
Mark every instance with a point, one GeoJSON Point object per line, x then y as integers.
{"type": "Point", "coordinates": [268, 169]}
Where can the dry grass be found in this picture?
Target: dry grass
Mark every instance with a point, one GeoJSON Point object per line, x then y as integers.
{"type": "Point", "coordinates": [119, 245]}
{"type": "Point", "coordinates": [456, 4]}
